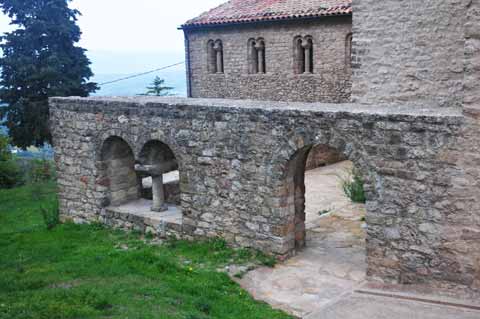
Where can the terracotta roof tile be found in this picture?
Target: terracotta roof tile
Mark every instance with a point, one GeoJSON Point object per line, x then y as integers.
{"type": "Point", "coordinates": [247, 11]}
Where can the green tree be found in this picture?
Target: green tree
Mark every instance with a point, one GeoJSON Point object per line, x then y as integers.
{"type": "Point", "coordinates": [40, 60]}
{"type": "Point", "coordinates": [157, 88]}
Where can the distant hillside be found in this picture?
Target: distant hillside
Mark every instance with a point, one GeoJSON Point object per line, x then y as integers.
{"type": "Point", "coordinates": [174, 78]}
{"type": "Point", "coordinates": [109, 66]}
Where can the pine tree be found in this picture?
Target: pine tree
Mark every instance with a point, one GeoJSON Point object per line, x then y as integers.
{"type": "Point", "coordinates": [40, 60]}
{"type": "Point", "coordinates": [157, 88]}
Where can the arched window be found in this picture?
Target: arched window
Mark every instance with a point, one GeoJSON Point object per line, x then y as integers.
{"type": "Point", "coordinates": [348, 50]}
{"type": "Point", "coordinates": [215, 56]}
{"type": "Point", "coordinates": [303, 54]}
{"type": "Point", "coordinates": [211, 57]}
{"type": "Point", "coordinates": [256, 56]}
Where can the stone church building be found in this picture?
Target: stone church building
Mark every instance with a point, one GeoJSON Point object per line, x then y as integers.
{"type": "Point", "coordinates": [271, 80]}
{"type": "Point", "coordinates": [271, 50]}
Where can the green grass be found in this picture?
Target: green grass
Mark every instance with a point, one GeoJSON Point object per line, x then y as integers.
{"type": "Point", "coordinates": [87, 271]}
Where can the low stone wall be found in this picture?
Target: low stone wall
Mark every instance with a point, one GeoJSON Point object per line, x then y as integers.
{"type": "Point", "coordinates": [147, 225]}
{"type": "Point", "coordinates": [241, 165]}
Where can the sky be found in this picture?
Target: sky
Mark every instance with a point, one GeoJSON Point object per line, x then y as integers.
{"type": "Point", "coordinates": [129, 28]}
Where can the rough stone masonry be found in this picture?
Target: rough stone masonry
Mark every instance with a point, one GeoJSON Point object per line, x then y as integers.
{"type": "Point", "coordinates": [413, 134]}
{"type": "Point", "coordinates": [241, 170]}
{"type": "Point", "coordinates": [330, 81]}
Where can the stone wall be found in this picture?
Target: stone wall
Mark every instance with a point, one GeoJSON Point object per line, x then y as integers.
{"type": "Point", "coordinates": [472, 56]}
{"type": "Point", "coordinates": [409, 52]}
{"type": "Point", "coordinates": [330, 81]}
{"type": "Point", "coordinates": [467, 153]}
{"type": "Point", "coordinates": [241, 167]}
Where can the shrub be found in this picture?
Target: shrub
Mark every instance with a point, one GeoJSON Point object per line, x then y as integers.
{"type": "Point", "coordinates": [10, 175]}
{"type": "Point", "coordinates": [50, 214]}
{"type": "Point", "coordinates": [352, 186]}
{"type": "Point", "coordinates": [39, 170]}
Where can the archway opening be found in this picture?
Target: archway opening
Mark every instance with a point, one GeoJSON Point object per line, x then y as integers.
{"type": "Point", "coordinates": [327, 190]}
{"type": "Point", "coordinates": [118, 166]}
{"type": "Point", "coordinates": [325, 228]}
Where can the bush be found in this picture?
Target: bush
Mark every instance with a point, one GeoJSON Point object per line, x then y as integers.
{"type": "Point", "coordinates": [10, 175]}
{"type": "Point", "coordinates": [50, 214]}
{"type": "Point", "coordinates": [352, 186]}
{"type": "Point", "coordinates": [39, 170]}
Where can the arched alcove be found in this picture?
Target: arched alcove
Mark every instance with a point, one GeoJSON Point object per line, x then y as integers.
{"type": "Point", "coordinates": [126, 203]}
{"type": "Point", "coordinates": [158, 169]}
{"type": "Point", "coordinates": [118, 169]}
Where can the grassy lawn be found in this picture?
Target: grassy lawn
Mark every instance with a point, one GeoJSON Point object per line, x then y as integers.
{"type": "Point", "coordinates": [86, 271]}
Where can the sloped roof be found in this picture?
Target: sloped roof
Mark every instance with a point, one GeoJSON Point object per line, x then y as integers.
{"type": "Point", "coordinates": [248, 11]}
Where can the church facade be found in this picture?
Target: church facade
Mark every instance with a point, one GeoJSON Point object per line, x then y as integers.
{"type": "Point", "coordinates": [281, 51]}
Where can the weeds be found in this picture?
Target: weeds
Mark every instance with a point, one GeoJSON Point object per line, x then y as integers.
{"type": "Point", "coordinates": [352, 186]}
{"type": "Point", "coordinates": [10, 175]}
{"type": "Point", "coordinates": [50, 214]}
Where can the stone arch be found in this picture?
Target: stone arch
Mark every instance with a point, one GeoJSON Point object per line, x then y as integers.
{"type": "Point", "coordinates": [124, 135]}
{"type": "Point", "coordinates": [164, 137]}
{"type": "Point", "coordinates": [292, 184]}
{"type": "Point", "coordinates": [117, 174]}
{"type": "Point", "coordinates": [154, 151]}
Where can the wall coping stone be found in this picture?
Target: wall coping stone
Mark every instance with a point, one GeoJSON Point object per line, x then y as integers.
{"type": "Point", "coordinates": [392, 111]}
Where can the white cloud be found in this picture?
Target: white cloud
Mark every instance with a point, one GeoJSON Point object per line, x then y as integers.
{"type": "Point", "coordinates": [134, 25]}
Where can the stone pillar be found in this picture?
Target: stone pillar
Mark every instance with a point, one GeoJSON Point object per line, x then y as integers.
{"type": "Point", "coordinates": [158, 194]}
{"type": "Point", "coordinates": [157, 171]}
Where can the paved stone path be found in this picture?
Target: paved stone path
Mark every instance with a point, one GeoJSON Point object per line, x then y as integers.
{"type": "Point", "coordinates": [323, 281]}
{"type": "Point", "coordinates": [358, 306]}
{"type": "Point", "coordinates": [332, 264]}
